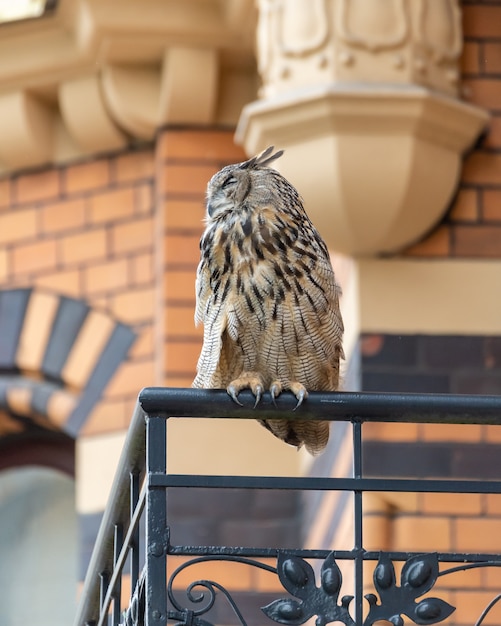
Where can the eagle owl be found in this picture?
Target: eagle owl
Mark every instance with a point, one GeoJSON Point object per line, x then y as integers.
{"type": "Point", "coordinates": [267, 296]}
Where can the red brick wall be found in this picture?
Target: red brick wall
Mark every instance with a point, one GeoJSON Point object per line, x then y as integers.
{"type": "Point", "coordinates": [472, 226]}
{"type": "Point", "coordinates": [86, 230]}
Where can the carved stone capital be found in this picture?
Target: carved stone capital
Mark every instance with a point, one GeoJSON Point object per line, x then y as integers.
{"type": "Point", "coordinates": [395, 41]}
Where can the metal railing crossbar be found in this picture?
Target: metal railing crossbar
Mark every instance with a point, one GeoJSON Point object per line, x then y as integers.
{"type": "Point", "coordinates": [418, 485]}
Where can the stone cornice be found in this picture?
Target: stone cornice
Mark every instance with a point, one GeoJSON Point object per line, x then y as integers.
{"type": "Point", "coordinates": [83, 33]}
{"type": "Point", "coordinates": [97, 74]}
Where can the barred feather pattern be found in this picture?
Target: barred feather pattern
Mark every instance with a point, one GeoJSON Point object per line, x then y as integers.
{"type": "Point", "coordinates": [266, 295]}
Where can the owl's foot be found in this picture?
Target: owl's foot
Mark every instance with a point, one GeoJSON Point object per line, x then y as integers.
{"type": "Point", "coordinates": [298, 389]}
{"type": "Point", "coordinates": [246, 380]}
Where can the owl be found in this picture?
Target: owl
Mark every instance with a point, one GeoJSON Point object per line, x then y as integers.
{"type": "Point", "coordinates": [267, 296]}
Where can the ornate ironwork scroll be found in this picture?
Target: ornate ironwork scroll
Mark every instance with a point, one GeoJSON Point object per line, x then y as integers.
{"type": "Point", "coordinates": [319, 595]}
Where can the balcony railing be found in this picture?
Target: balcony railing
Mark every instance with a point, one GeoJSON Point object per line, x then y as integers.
{"type": "Point", "coordinates": [139, 493]}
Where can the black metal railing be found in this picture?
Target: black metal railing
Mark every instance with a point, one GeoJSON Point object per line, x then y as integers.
{"type": "Point", "coordinates": [139, 491]}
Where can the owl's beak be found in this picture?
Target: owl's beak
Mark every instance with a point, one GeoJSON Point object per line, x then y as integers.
{"type": "Point", "coordinates": [210, 209]}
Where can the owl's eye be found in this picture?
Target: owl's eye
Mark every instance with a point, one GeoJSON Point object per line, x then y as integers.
{"type": "Point", "coordinates": [231, 180]}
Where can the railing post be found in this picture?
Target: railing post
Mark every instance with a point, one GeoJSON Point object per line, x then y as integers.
{"type": "Point", "coordinates": [134, 549]}
{"type": "Point", "coordinates": [156, 525]}
{"type": "Point", "coordinates": [117, 597]}
{"type": "Point", "coordinates": [358, 524]}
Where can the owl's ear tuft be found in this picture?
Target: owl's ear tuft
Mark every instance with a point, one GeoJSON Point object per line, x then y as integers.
{"type": "Point", "coordinates": [262, 160]}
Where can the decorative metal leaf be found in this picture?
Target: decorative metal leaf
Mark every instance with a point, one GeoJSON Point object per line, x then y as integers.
{"type": "Point", "coordinates": [431, 611]}
{"type": "Point", "coordinates": [296, 575]}
{"type": "Point", "coordinates": [286, 611]}
{"type": "Point", "coordinates": [298, 578]}
{"type": "Point", "coordinates": [330, 577]}
{"type": "Point", "coordinates": [384, 574]}
{"type": "Point", "coordinates": [419, 574]}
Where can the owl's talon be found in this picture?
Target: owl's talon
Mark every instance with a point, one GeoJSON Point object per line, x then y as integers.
{"type": "Point", "coordinates": [275, 391]}
{"type": "Point", "coordinates": [300, 392]}
{"type": "Point", "coordinates": [246, 380]}
{"type": "Point", "coordinates": [233, 393]}
{"type": "Point", "coordinates": [258, 392]}
{"type": "Point", "coordinates": [299, 402]}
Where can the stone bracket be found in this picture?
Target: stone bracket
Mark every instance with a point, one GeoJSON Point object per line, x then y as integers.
{"type": "Point", "coordinates": [377, 165]}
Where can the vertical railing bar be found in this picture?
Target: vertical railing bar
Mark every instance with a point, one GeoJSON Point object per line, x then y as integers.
{"type": "Point", "coordinates": [117, 592]}
{"type": "Point", "coordinates": [156, 525]}
{"type": "Point", "coordinates": [103, 588]}
{"type": "Point", "coordinates": [134, 552]}
{"type": "Point", "coordinates": [121, 559]}
{"type": "Point", "coordinates": [358, 526]}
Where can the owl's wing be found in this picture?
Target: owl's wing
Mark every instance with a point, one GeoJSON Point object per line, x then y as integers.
{"type": "Point", "coordinates": [214, 324]}
{"type": "Point", "coordinates": [202, 292]}
{"type": "Point", "coordinates": [308, 326]}
{"type": "Point", "coordinates": [219, 356]}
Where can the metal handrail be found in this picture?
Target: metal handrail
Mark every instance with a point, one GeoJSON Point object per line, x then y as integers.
{"type": "Point", "coordinates": [334, 406]}
{"type": "Point", "coordinates": [132, 463]}
{"type": "Point", "coordinates": [173, 403]}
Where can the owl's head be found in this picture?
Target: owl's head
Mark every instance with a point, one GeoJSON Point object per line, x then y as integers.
{"type": "Point", "coordinates": [232, 185]}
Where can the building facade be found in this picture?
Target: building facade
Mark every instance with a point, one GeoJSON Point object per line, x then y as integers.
{"type": "Point", "coordinates": [114, 115]}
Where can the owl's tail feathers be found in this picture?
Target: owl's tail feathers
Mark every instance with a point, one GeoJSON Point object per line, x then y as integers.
{"type": "Point", "coordinates": [313, 435]}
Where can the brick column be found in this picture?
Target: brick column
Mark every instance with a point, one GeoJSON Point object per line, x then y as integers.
{"type": "Point", "coordinates": [185, 161]}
